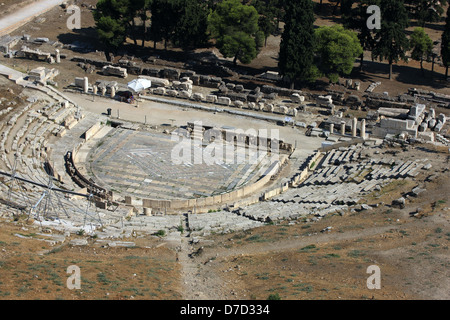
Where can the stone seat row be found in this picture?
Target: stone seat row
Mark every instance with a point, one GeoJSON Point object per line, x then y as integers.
{"type": "Point", "coordinates": [222, 221]}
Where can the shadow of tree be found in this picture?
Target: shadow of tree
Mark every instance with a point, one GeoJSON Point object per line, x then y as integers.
{"type": "Point", "coordinates": [376, 71]}
{"type": "Point", "coordinates": [82, 40]}
{"type": "Point", "coordinates": [437, 26]}
{"type": "Point", "coordinates": [85, 40]}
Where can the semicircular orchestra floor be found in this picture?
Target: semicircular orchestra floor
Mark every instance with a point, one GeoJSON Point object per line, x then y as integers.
{"type": "Point", "coordinates": [141, 164]}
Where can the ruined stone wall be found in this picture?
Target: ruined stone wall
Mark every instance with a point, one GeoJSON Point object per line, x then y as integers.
{"type": "Point", "coordinates": [231, 198]}
{"type": "Point", "coordinates": [92, 131]}
{"type": "Point", "coordinates": [237, 92]}
{"type": "Point", "coordinates": [342, 144]}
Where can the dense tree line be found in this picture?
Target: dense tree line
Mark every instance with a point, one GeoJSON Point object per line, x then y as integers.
{"type": "Point", "coordinates": [240, 28]}
{"type": "Point", "coordinates": [391, 43]}
{"type": "Point", "coordinates": [445, 44]}
{"type": "Point", "coordinates": [182, 22]}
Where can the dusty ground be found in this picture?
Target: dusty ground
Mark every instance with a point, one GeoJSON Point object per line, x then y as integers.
{"type": "Point", "coordinates": [301, 262]}
{"type": "Point", "coordinates": [291, 261]}
{"type": "Point", "coordinates": [9, 6]}
{"type": "Point", "coordinates": [35, 269]}
{"type": "Point", "coordinates": [406, 75]}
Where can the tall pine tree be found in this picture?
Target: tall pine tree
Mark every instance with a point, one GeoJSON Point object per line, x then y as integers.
{"type": "Point", "coordinates": [391, 42]}
{"type": "Point", "coordinates": [296, 58]}
{"type": "Point", "coordinates": [163, 25]}
{"type": "Point", "coordinates": [421, 45]}
{"type": "Point", "coordinates": [426, 10]}
{"type": "Point", "coordinates": [111, 22]}
{"type": "Point", "coordinates": [191, 24]}
{"type": "Point", "coordinates": [356, 19]}
{"type": "Point", "coordinates": [336, 50]}
{"type": "Point", "coordinates": [235, 28]}
{"type": "Point", "coordinates": [445, 45]}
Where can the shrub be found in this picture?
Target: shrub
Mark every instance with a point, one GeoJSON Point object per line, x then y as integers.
{"type": "Point", "coordinates": [274, 296]}
{"type": "Point", "coordinates": [160, 233]}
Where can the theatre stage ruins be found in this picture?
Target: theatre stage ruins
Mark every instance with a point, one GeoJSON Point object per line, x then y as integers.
{"type": "Point", "coordinates": [81, 159]}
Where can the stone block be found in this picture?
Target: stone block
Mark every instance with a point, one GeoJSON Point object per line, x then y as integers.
{"type": "Point", "coordinates": [171, 74]}
{"type": "Point", "coordinates": [186, 79]}
{"type": "Point", "coordinates": [239, 104]}
{"type": "Point", "coordinates": [79, 82]}
{"type": "Point", "coordinates": [198, 97]}
{"type": "Point", "coordinates": [156, 82]}
{"type": "Point", "coordinates": [185, 94]}
{"type": "Point", "coordinates": [172, 93]}
{"type": "Point", "coordinates": [297, 98]}
{"type": "Point", "coordinates": [399, 203]}
{"type": "Point", "coordinates": [324, 101]}
{"type": "Point", "coordinates": [239, 88]}
{"type": "Point", "coordinates": [115, 71]}
{"type": "Point", "coordinates": [230, 86]}
{"type": "Point", "coordinates": [159, 91]}
{"type": "Point", "coordinates": [185, 86]}
{"type": "Point", "coordinates": [255, 97]}
{"type": "Point", "coordinates": [211, 98]}
{"type": "Point", "coordinates": [438, 127]}
{"type": "Point", "coordinates": [225, 101]}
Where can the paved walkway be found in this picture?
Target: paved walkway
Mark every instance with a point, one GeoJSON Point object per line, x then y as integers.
{"type": "Point", "coordinates": [25, 14]}
{"type": "Point", "coordinates": [11, 74]}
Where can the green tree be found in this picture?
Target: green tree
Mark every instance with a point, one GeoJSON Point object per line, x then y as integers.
{"type": "Point", "coordinates": [191, 23]}
{"type": "Point", "coordinates": [426, 10]}
{"type": "Point", "coordinates": [116, 19]}
{"type": "Point", "coordinates": [235, 28]}
{"type": "Point", "coordinates": [356, 19]}
{"type": "Point", "coordinates": [142, 10]}
{"type": "Point", "coordinates": [422, 46]}
{"type": "Point", "coordinates": [345, 6]}
{"type": "Point", "coordinates": [130, 15]}
{"type": "Point", "coordinates": [445, 44]}
{"type": "Point", "coordinates": [164, 18]}
{"type": "Point", "coordinates": [391, 42]}
{"type": "Point", "coordinates": [111, 23]}
{"type": "Point", "coordinates": [266, 26]}
{"type": "Point", "coordinates": [337, 48]}
{"type": "Point", "coordinates": [296, 57]}
{"type": "Point", "coordinates": [271, 12]}
{"type": "Point", "coordinates": [111, 32]}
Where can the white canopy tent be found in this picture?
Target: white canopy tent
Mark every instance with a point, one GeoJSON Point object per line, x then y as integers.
{"type": "Point", "coordinates": [139, 85]}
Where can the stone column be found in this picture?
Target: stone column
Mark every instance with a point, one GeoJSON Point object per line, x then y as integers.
{"type": "Point", "coordinates": [331, 128]}
{"type": "Point", "coordinates": [363, 128]}
{"type": "Point", "coordinates": [86, 85]}
{"type": "Point", "coordinates": [148, 212]}
{"type": "Point", "coordinates": [58, 56]}
{"type": "Point", "coordinates": [95, 89]}
{"type": "Point", "coordinates": [104, 91]}
{"type": "Point", "coordinates": [354, 129]}
{"type": "Point", "coordinates": [432, 113]}
{"type": "Point", "coordinates": [113, 91]}
{"type": "Point", "coordinates": [343, 128]}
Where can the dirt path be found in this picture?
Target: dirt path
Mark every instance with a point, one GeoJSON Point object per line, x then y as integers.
{"type": "Point", "coordinates": [13, 21]}
{"type": "Point", "coordinates": [198, 282]}
{"type": "Point", "coordinates": [202, 281]}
